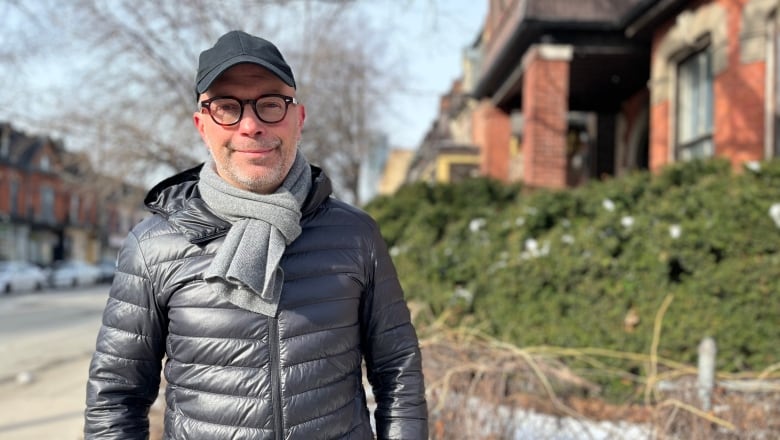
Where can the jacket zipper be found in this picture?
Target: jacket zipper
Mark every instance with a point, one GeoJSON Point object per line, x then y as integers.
{"type": "Point", "coordinates": [276, 387]}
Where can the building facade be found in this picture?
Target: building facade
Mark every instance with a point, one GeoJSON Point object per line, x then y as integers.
{"type": "Point", "coordinates": [447, 153]}
{"type": "Point", "coordinates": [562, 92]}
{"type": "Point", "coordinates": [714, 79]}
{"type": "Point", "coordinates": [54, 207]}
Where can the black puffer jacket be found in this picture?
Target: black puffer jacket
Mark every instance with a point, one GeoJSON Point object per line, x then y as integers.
{"type": "Point", "coordinates": [234, 374]}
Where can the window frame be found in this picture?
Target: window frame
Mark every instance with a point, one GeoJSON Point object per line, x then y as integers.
{"type": "Point", "coordinates": [14, 193]}
{"type": "Point", "coordinates": [698, 143]}
{"type": "Point", "coordinates": [48, 200]}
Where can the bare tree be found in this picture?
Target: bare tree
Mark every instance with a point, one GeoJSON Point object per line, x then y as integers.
{"type": "Point", "coordinates": [345, 79]}
{"type": "Point", "coordinates": [139, 85]}
{"type": "Point", "coordinates": [129, 94]}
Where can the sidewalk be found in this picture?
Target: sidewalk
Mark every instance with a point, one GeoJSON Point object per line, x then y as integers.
{"type": "Point", "coordinates": [50, 407]}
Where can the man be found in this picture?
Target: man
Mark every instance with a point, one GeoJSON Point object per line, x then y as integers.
{"type": "Point", "coordinates": [264, 293]}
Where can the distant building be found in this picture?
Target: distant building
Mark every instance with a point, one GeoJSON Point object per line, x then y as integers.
{"type": "Point", "coordinates": [557, 92]}
{"type": "Point", "coordinates": [53, 206]}
{"type": "Point", "coordinates": [553, 81]}
{"type": "Point", "coordinates": [446, 154]}
{"type": "Point", "coordinates": [394, 173]}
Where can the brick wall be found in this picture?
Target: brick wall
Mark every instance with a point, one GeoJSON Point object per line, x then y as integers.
{"type": "Point", "coordinates": [739, 78]}
{"type": "Point", "coordinates": [659, 136]}
{"type": "Point", "coordinates": [33, 205]}
{"type": "Point", "coordinates": [8, 174]}
{"type": "Point", "coordinates": [545, 108]}
{"type": "Point", "coordinates": [739, 113]}
{"type": "Point", "coordinates": [492, 132]}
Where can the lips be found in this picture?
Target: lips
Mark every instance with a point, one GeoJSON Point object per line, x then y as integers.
{"type": "Point", "coordinates": [257, 148]}
{"type": "Point", "coordinates": [253, 151]}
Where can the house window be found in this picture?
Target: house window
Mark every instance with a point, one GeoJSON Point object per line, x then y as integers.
{"type": "Point", "coordinates": [47, 204]}
{"type": "Point", "coordinates": [45, 163]}
{"type": "Point", "coordinates": [73, 213]}
{"type": "Point", "coordinates": [14, 197]}
{"type": "Point", "coordinates": [694, 107]}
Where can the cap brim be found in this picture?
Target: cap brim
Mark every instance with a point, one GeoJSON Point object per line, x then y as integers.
{"type": "Point", "coordinates": [215, 73]}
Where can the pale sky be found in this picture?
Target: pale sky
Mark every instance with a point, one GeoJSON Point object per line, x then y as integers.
{"type": "Point", "coordinates": [431, 35]}
{"type": "Point", "coordinates": [428, 36]}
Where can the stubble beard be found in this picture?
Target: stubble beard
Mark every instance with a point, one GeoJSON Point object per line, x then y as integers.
{"type": "Point", "coordinates": [263, 183]}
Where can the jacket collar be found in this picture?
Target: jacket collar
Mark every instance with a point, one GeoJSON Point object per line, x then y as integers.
{"type": "Point", "coordinates": [178, 200]}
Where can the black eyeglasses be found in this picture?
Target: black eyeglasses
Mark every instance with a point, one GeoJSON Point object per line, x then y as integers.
{"type": "Point", "coordinates": [227, 110]}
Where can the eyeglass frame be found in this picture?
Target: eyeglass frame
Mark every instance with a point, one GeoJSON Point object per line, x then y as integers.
{"type": "Point", "coordinates": [206, 103]}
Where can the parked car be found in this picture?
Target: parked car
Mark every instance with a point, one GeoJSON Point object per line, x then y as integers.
{"type": "Point", "coordinates": [20, 275]}
{"type": "Point", "coordinates": [73, 273]}
{"type": "Point", "coordinates": [107, 268]}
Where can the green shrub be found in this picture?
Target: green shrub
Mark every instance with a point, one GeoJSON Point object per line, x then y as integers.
{"type": "Point", "coordinates": [563, 268]}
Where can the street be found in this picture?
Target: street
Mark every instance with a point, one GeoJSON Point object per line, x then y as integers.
{"type": "Point", "coordinates": [46, 341]}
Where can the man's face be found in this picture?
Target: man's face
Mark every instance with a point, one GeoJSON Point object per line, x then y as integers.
{"type": "Point", "coordinates": [251, 155]}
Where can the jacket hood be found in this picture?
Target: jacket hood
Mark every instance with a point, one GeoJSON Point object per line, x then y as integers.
{"type": "Point", "coordinates": [178, 200]}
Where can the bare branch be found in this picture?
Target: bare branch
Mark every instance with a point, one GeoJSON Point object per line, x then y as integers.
{"type": "Point", "coordinates": [124, 89]}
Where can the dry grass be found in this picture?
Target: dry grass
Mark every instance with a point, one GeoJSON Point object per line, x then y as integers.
{"type": "Point", "coordinates": [475, 382]}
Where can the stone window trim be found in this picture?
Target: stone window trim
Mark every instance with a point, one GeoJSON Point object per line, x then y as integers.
{"type": "Point", "coordinates": [771, 48]}
{"type": "Point", "coordinates": [754, 38]}
{"type": "Point", "coordinates": [692, 31]}
{"type": "Point", "coordinates": [691, 25]}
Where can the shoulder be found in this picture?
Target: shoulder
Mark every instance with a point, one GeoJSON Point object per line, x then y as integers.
{"type": "Point", "coordinates": [339, 212]}
{"type": "Point", "coordinates": [153, 227]}
{"type": "Point", "coordinates": [160, 232]}
{"type": "Point", "coordinates": [322, 208]}
{"type": "Point", "coordinates": [156, 239]}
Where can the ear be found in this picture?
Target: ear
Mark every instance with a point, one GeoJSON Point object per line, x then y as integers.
{"type": "Point", "coordinates": [198, 118]}
{"type": "Point", "coordinates": [301, 116]}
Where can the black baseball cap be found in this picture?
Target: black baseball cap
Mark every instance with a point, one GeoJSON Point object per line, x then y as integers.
{"type": "Point", "coordinates": [237, 47]}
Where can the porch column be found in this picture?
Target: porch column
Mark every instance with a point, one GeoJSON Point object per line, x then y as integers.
{"type": "Point", "coordinates": [492, 132]}
{"type": "Point", "coordinates": [545, 110]}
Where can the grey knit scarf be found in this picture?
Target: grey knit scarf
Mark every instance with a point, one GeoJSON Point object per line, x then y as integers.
{"type": "Point", "coordinates": [245, 269]}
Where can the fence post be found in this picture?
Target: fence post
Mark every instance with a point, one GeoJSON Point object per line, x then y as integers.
{"type": "Point", "coordinates": [706, 384]}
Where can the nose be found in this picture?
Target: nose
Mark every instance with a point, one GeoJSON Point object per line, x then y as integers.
{"type": "Point", "coordinates": [250, 124]}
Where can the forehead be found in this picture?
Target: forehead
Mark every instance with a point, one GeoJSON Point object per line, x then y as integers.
{"type": "Point", "coordinates": [249, 76]}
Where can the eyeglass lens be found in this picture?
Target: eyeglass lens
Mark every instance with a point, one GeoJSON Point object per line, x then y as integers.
{"type": "Point", "coordinates": [228, 111]}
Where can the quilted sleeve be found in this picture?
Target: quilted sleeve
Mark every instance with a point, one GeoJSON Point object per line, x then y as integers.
{"type": "Point", "coordinates": [124, 374]}
{"type": "Point", "coordinates": [392, 353]}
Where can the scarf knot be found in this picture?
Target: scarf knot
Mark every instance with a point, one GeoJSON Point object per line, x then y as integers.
{"type": "Point", "coordinates": [245, 269]}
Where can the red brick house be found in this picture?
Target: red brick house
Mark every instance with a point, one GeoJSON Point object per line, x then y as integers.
{"type": "Point", "coordinates": [52, 205]}
{"type": "Point", "coordinates": [570, 91]}
{"type": "Point", "coordinates": [32, 208]}
{"type": "Point", "coordinates": [714, 79]}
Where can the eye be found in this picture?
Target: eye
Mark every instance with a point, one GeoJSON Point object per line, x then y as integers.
{"type": "Point", "coordinates": [271, 104]}
{"type": "Point", "coordinates": [225, 106]}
